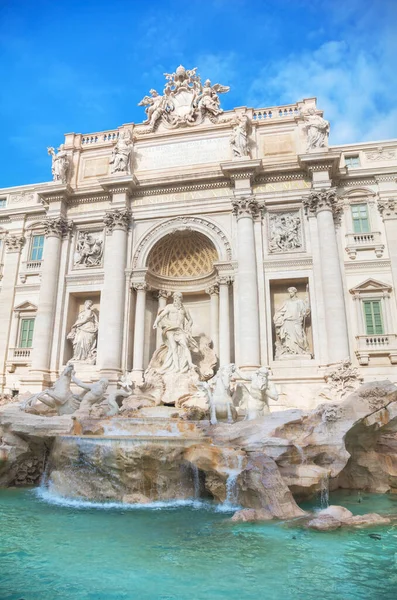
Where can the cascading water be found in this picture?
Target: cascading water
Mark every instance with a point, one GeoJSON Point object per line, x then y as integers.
{"type": "Point", "coordinates": [233, 471]}
{"type": "Point", "coordinates": [301, 453]}
{"type": "Point", "coordinates": [324, 491]}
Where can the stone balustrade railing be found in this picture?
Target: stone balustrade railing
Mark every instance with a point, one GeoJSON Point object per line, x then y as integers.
{"type": "Point", "coordinates": [19, 354]}
{"type": "Point", "coordinates": [278, 112]}
{"type": "Point", "coordinates": [376, 345]}
{"type": "Point", "coordinates": [364, 241]}
{"type": "Point", "coordinates": [103, 137]}
{"type": "Point", "coordinates": [33, 265]}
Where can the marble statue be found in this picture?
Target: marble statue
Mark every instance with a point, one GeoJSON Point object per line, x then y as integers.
{"type": "Point", "coordinates": [125, 391]}
{"type": "Point", "coordinates": [83, 335]}
{"type": "Point", "coordinates": [317, 130]}
{"type": "Point", "coordinates": [94, 392]}
{"type": "Point", "coordinates": [154, 107]}
{"type": "Point", "coordinates": [208, 100]}
{"type": "Point", "coordinates": [253, 399]}
{"type": "Point", "coordinates": [89, 250]}
{"type": "Point", "coordinates": [289, 321]}
{"type": "Point", "coordinates": [120, 160]}
{"type": "Point", "coordinates": [59, 396]}
{"type": "Point", "coordinates": [185, 101]}
{"type": "Point", "coordinates": [60, 164]}
{"type": "Point", "coordinates": [219, 395]}
{"type": "Point", "coordinates": [284, 232]}
{"type": "Point", "coordinates": [239, 137]}
{"type": "Point", "coordinates": [176, 325]}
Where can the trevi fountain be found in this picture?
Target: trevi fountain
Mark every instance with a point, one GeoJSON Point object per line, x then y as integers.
{"type": "Point", "coordinates": [198, 394]}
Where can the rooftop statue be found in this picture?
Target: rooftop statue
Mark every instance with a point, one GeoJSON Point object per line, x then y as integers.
{"type": "Point", "coordinates": [317, 130]}
{"type": "Point", "coordinates": [121, 154]}
{"type": "Point", "coordinates": [239, 137]}
{"type": "Point", "coordinates": [60, 164]}
{"type": "Point", "coordinates": [185, 100]}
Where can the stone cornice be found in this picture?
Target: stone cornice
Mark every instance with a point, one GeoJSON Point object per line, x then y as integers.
{"type": "Point", "coordinates": [288, 263]}
{"type": "Point", "coordinates": [243, 168]}
{"type": "Point", "coordinates": [55, 192]}
{"type": "Point", "coordinates": [320, 161]}
{"type": "Point", "coordinates": [118, 184]}
{"type": "Point", "coordinates": [178, 189]}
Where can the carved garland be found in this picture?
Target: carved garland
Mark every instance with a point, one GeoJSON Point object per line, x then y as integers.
{"type": "Point", "coordinates": [182, 223]}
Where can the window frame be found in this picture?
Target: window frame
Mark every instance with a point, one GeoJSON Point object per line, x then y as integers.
{"type": "Point", "coordinates": [30, 332]}
{"type": "Point", "coordinates": [360, 220]}
{"type": "Point", "coordinates": [348, 157]}
{"type": "Point", "coordinates": [371, 303]}
{"type": "Point", "coordinates": [32, 247]}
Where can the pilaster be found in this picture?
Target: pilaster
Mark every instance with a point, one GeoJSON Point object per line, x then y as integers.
{"type": "Point", "coordinates": [388, 210]}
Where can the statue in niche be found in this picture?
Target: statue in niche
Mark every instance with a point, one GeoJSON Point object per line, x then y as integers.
{"type": "Point", "coordinates": [176, 325]}
{"type": "Point", "coordinates": [254, 399]}
{"type": "Point", "coordinates": [317, 130]}
{"type": "Point", "coordinates": [89, 250]}
{"type": "Point", "coordinates": [289, 321]}
{"type": "Point", "coordinates": [83, 335]}
{"type": "Point", "coordinates": [239, 137]}
{"type": "Point", "coordinates": [60, 164]}
{"type": "Point", "coordinates": [285, 232]}
{"type": "Point", "coordinates": [121, 154]}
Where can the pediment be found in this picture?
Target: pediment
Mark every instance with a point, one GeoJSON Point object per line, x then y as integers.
{"type": "Point", "coordinates": [25, 306]}
{"type": "Point", "coordinates": [359, 193]}
{"type": "Point", "coordinates": [371, 285]}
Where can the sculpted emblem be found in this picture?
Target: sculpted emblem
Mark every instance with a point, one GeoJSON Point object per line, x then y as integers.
{"type": "Point", "coordinates": [185, 101]}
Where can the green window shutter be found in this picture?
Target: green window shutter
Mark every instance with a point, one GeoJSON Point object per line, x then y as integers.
{"type": "Point", "coordinates": [36, 252]}
{"type": "Point", "coordinates": [26, 335]}
{"type": "Point", "coordinates": [373, 317]}
{"type": "Point", "coordinates": [360, 218]}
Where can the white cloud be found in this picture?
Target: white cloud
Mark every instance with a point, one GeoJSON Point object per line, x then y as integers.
{"type": "Point", "coordinates": [354, 79]}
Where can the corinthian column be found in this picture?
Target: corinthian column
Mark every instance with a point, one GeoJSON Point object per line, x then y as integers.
{"type": "Point", "coordinates": [224, 282]}
{"type": "Point", "coordinates": [324, 205]}
{"type": "Point", "coordinates": [14, 245]}
{"type": "Point", "coordinates": [213, 292]}
{"type": "Point", "coordinates": [55, 228]}
{"type": "Point", "coordinates": [388, 209]}
{"type": "Point", "coordinates": [139, 329]}
{"type": "Point", "coordinates": [110, 334]}
{"type": "Point", "coordinates": [246, 209]}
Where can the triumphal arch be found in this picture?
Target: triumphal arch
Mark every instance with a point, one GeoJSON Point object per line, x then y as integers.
{"type": "Point", "coordinates": [199, 238]}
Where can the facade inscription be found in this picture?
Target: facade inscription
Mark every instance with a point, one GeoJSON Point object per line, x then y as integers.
{"type": "Point", "coordinates": [176, 154]}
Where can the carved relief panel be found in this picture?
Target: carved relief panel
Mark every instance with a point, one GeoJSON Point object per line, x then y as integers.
{"type": "Point", "coordinates": [88, 251]}
{"type": "Point", "coordinates": [285, 232]}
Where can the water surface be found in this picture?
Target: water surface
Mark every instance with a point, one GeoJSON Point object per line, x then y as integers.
{"type": "Point", "coordinates": [77, 551]}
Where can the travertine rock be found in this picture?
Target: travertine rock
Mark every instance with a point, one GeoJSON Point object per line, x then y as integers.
{"type": "Point", "coordinates": [252, 514]}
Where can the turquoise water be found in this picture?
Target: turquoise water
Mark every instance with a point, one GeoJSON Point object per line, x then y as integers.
{"type": "Point", "coordinates": [54, 552]}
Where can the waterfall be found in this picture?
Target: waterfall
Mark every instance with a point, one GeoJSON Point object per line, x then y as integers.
{"type": "Point", "coordinates": [231, 482]}
{"type": "Point", "coordinates": [196, 481]}
{"type": "Point", "coordinates": [324, 491]}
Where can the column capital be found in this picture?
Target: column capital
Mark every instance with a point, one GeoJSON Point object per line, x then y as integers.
{"type": "Point", "coordinates": [212, 290]}
{"type": "Point", "coordinates": [57, 226]}
{"type": "Point", "coordinates": [225, 279]}
{"type": "Point", "coordinates": [14, 243]}
{"type": "Point", "coordinates": [163, 294]}
{"type": "Point", "coordinates": [246, 206]}
{"type": "Point", "coordinates": [325, 199]}
{"type": "Point", "coordinates": [140, 286]}
{"type": "Point", "coordinates": [388, 208]}
{"type": "Point", "coordinates": [117, 219]}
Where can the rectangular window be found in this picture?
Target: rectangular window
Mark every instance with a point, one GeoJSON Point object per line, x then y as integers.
{"type": "Point", "coordinates": [373, 317]}
{"type": "Point", "coordinates": [360, 218]}
{"type": "Point", "coordinates": [26, 335]}
{"type": "Point", "coordinates": [3, 202]}
{"type": "Point", "coordinates": [352, 162]}
{"type": "Point", "coordinates": [36, 252]}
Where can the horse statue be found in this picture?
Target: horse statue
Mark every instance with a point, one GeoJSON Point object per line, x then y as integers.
{"type": "Point", "coordinates": [219, 396]}
{"type": "Point", "coordinates": [59, 396]}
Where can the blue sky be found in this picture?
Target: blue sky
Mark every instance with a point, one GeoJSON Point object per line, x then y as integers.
{"type": "Point", "coordinates": [83, 66]}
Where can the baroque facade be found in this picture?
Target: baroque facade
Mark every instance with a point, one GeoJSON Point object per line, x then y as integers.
{"type": "Point", "coordinates": [284, 248]}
